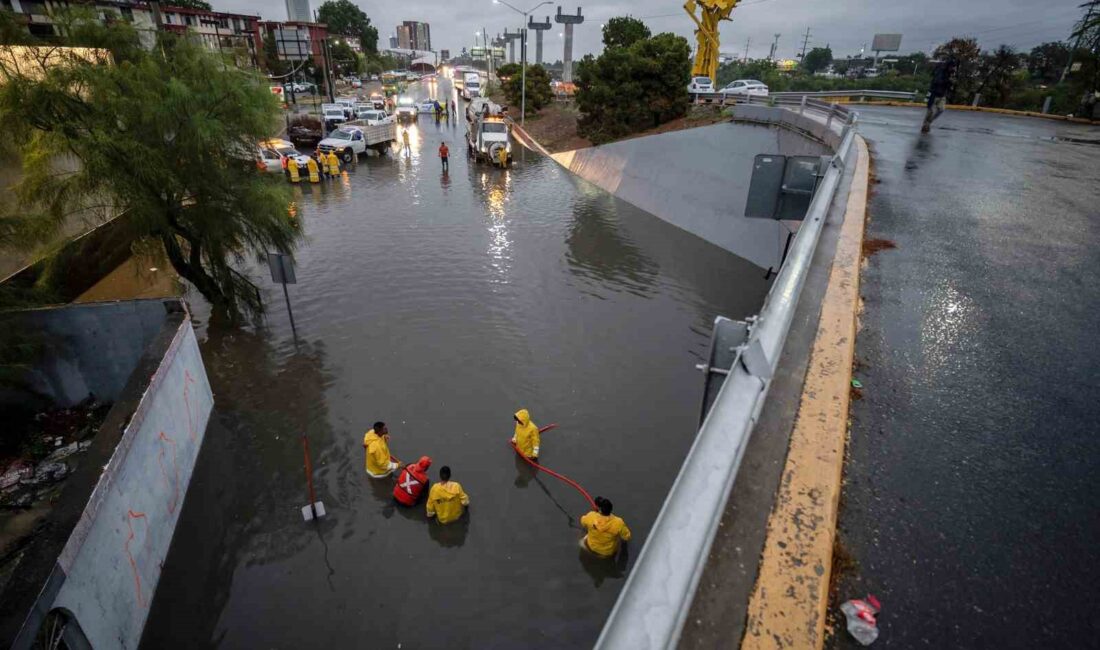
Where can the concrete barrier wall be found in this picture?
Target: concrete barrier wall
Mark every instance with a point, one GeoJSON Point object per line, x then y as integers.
{"type": "Point", "coordinates": [111, 563]}
{"type": "Point", "coordinates": [698, 179]}
{"type": "Point", "coordinates": [91, 349]}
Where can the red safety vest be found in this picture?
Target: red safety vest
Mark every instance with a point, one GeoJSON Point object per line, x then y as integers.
{"type": "Point", "coordinates": [410, 484]}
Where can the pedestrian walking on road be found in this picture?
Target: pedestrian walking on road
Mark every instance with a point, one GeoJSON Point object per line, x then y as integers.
{"type": "Point", "coordinates": [454, 111]}
{"type": "Point", "coordinates": [943, 78]}
{"type": "Point", "coordinates": [405, 140]}
{"type": "Point", "coordinates": [444, 153]}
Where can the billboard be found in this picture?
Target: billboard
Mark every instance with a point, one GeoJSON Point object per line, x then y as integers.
{"type": "Point", "coordinates": [886, 43]}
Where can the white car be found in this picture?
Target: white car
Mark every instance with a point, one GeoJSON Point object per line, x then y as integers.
{"type": "Point", "coordinates": [746, 88]}
{"type": "Point", "coordinates": [274, 154]}
{"type": "Point", "coordinates": [700, 85]}
{"type": "Point", "coordinates": [374, 117]}
{"type": "Point", "coordinates": [427, 107]}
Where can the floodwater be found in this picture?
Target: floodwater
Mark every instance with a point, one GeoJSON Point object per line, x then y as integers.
{"type": "Point", "coordinates": [441, 303]}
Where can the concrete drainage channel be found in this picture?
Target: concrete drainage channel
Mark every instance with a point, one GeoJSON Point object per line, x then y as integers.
{"type": "Point", "coordinates": [654, 604]}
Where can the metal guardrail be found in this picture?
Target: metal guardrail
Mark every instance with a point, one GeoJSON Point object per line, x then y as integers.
{"type": "Point", "coordinates": [783, 97]}
{"type": "Point", "coordinates": [654, 603]}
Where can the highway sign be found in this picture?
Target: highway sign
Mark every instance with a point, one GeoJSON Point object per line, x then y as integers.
{"type": "Point", "coordinates": [886, 43]}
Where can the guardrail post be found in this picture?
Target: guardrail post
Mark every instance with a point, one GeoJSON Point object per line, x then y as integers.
{"type": "Point", "coordinates": [829, 118]}
{"type": "Point", "coordinates": [802, 106]}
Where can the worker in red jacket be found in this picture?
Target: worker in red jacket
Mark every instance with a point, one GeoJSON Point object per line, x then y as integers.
{"type": "Point", "coordinates": [412, 481]}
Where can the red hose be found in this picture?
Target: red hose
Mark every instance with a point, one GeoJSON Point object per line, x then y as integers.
{"type": "Point", "coordinates": [576, 486]}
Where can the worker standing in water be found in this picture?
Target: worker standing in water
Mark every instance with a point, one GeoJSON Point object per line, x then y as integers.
{"type": "Point", "coordinates": [526, 438]}
{"type": "Point", "coordinates": [333, 164]}
{"type": "Point", "coordinates": [405, 140]}
{"type": "Point", "coordinates": [444, 153]}
{"type": "Point", "coordinates": [292, 169]}
{"type": "Point", "coordinates": [377, 443]}
{"type": "Point", "coordinates": [605, 531]}
{"type": "Point", "coordinates": [314, 176]}
{"type": "Point", "coordinates": [411, 482]}
{"type": "Point", "coordinates": [446, 500]}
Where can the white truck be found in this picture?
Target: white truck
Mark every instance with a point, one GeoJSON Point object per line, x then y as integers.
{"type": "Point", "coordinates": [356, 137]}
{"type": "Point", "coordinates": [471, 85]}
{"type": "Point", "coordinates": [488, 136]}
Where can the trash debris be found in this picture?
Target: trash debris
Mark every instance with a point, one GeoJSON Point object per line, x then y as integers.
{"type": "Point", "coordinates": [857, 383]}
{"type": "Point", "coordinates": [861, 618]}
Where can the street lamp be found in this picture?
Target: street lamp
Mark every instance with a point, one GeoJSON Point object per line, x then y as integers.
{"type": "Point", "coordinates": [523, 56]}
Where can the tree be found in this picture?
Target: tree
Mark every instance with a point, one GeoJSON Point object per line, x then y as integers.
{"type": "Point", "coordinates": [629, 89]}
{"type": "Point", "coordinates": [1045, 62]}
{"type": "Point", "coordinates": [163, 136]}
{"type": "Point", "coordinates": [538, 88]}
{"type": "Point", "coordinates": [344, 59]}
{"type": "Point", "coordinates": [998, 75]}
{"type": "Point", "coordinates": [968, 56]}
{"type": "Point", "coordinates": [202, 5]}
{"type": "Point", "coordinates": [507, 71]}
{"type": "Point", "coordinates": [344, 17]}
{"type": "Point", "coordinates": [624, 31]}
{"type": "Point", "coordinates": [816, 59]}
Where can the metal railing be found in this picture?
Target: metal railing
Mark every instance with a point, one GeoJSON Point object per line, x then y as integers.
{"type": "Point", "coordinates": [781, 97]}
{"type": "Point", "coordinates": [654, 603]}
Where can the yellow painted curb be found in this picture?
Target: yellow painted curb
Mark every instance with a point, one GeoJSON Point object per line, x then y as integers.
{"type": "Point", "coordinates": [788, 604]}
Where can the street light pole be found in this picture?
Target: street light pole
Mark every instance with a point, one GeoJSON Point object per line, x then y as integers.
{"type": "Point", "coordinates": [523, 56]}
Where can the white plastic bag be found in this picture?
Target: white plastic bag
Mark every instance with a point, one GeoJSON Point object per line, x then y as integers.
{"type": "Point", "coordinates": [861, 618]}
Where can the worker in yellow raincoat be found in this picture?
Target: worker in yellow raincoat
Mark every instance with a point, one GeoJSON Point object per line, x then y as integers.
{"type": "Point", "coordinates": [605, 530]}
{"type": "Point", "coordinates": [292, 168]}
{"type": "Point", "coordinates": [526, 437]}
{"type": "Point", "coordinates": [379, 463]}
{"type": "Point", "coordinates": [333, 164]}
{"type": "Point", "coordinates": [446, 500]}
{"type": "Point", "coordinates": [314, 172]}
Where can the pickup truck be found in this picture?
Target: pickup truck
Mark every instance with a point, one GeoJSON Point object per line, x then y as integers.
{"type": "Point", "coordinates": [333, 114]}
{"type": "Point", "coordinates": [406, 109]}
{"type": "Point", "coordinates": [374, 117]}
{"type": "Point", "coordinates": [356, 137]}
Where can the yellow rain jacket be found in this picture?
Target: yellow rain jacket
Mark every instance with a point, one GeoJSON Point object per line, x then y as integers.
{"type": "Point", "coordinates": [446, 501]}
{"type": "Point", "coordinates": [314, 177]}
{"type": "Point", "coordinates": [378, 453]}
{"type": "Point", "coordinates": [292, 167]}
{"type": "Point", "coordinates": [527, 435]}
{"type": "Point", "coordinates": [333, 164]}
{"type": "Point", "coordinates": [604, 533]}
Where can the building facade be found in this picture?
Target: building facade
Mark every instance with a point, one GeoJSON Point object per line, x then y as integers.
{"type": "Point", "coordinates": [298, 11]}
{"type": "Point", "coordinates": [297, 41]}
{"type": "Point", "coordinates": [413, 35]}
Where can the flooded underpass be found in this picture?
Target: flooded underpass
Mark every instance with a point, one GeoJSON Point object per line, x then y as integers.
{"type": "Point", "coordinates": [441, 303]}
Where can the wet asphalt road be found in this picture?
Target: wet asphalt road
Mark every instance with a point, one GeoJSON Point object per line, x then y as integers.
{"type": "Point", "coordinates": [441, 303]}
{"type": "Point", "coordinates": [970, 505]}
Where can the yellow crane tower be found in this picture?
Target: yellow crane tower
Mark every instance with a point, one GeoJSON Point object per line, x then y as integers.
{"type": "Point", "coordinates": [706, 33]}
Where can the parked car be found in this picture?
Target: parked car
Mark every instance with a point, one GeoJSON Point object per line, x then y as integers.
{"type": "Point", "coordinates": [373, 116]}
{"type": "Point", "coordinates": [274, 153]}
{"type": "Point", "coordinates": [374, 77]}
{"type": "Point", "coordinates": [700, 85]}
{"type": "Point", "coordinates": [746, 88]}
{"type": "Point", "coordinates": [355, 83]}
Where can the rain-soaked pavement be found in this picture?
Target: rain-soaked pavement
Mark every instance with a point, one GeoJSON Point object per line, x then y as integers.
{"type": "Point", "coordinates": [971, 506]}
{"type": "Point", "coordinates": [441, 303]}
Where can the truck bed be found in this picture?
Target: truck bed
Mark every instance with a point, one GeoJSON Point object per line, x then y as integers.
{"type": "Point", "coordinates": [376, 134]}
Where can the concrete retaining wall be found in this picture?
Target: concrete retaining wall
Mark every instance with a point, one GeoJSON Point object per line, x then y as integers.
{"type": "Point", "coordinates": [112, 561]}
{"type": "Point", "coordinates": [87, 350]}
{"type": "Point", "coordinates": [98, 556]}
{"type": "Point", "coordinates": [697, 179]}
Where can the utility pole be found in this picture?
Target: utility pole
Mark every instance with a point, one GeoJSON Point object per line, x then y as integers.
{"type": "Point", "coordinates": [1076, 44]}
{"type": "Point", "coordinates": [805, 42]}
{"type": "Point", "coordinates": [748, 41]}
{"type": "Point", "coordinates": [775, 46]}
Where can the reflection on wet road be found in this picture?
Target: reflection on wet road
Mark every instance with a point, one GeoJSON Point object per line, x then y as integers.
{"type": "Point", "coordinates": [441, 303]}
{"type": "Point", "coordinates": [969, 502]}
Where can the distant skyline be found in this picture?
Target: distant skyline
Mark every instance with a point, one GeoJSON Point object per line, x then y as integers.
{"type": "Point", "coordinates": [845, 25]}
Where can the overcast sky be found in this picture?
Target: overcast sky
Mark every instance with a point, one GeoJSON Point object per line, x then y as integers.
{"type": "Point", "coordinates": [846, 25]}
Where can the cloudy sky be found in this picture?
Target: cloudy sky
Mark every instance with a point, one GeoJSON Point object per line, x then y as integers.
{"type": "Point", "coordinates": [846, 25]}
